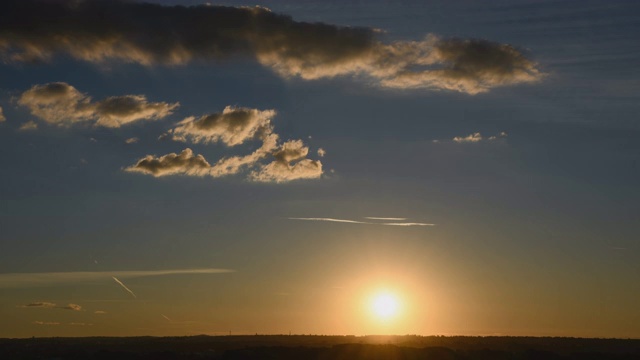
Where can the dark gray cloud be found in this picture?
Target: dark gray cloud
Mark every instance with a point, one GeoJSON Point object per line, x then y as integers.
{"type": "Point", "coordinates": [99, 31]}
{"type": "Point", "coordinates": [62, 104]}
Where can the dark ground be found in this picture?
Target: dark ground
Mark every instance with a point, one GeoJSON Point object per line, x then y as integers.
{"type": "Point", "coordinates": [319, 347]}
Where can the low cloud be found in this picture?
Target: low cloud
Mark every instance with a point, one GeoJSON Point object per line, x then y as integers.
{"type": "Point", "coordinates": [40, 304]}
{"type": "Point", "coordinates": [74, 307]}
{"type": "Point", "coordinates": [46, 323]}
{"type": "Point", "coordinates": [132, 140]}
{"type": "Point", "coordinates": [100, 312]}
{"type": "Point", "coordinates": [185, 163]}
{"type": "Point", "coordinates": [233, 126]}
{"type": "Point", "coordinates": [50, 305]}
{"type": "Point", "coordinates": [62, 104]}
{"type": "Point", "coordinates": [28, 126]}
{"type": "Point", "coordinates": [148, 34]}
{"type": "Point", "coordinates": [321, 152]}
{"type": "Point", "coordinates": [20, 280]}
{"type": "Point", "coordinates": [80, 324]}
{"type": "Point", "coordinates": [2, 118]}
{"type": "Point", "coordinates": [474, 138]}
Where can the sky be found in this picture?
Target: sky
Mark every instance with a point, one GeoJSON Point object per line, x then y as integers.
{"type": "Point", "coordinates": [181, 168]}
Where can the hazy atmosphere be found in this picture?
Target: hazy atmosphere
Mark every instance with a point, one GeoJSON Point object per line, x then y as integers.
{"type": "Point", "coordinates": [319, 167]}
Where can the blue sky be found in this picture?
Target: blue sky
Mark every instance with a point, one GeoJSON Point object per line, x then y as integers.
{"type": "Point", "coordinates": [535, 220]}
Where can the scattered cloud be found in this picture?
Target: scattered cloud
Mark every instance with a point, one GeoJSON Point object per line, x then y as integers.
{"type": "Point", "coordinates": [283, 169]}
{"type": "Point", "coordinates": [40, 304]}
{"type": "Point", "coordinates": [50, 305]}
{"type": "Point", "coordinates": [474, 138]}
{"type": "Point", "coordinates": [100, 312]}
{"type": "Point", "coordinates": [28, 126]}
{"type": "Point", "coordinates": [185, 163]}
{"type": "Point", "coordinates": [74, 307]}
{"type": "Point", "coordinates": [80, 324]}
{"type": "Point", "coordinates": [46, 323]}
{"type": "Point", "coordinates": [364, 222]}
{"type": "Point", "coordinates": [124, 287]}
{"type": "Point", "coordinates": [233, 126]}
{"type": "Point", "coordinates": [18, 280]}
{"type": "Point", "coordinates": [100, 31]}
{"type": "Point", "coordinates": [321, 152]}
{"type": "Point", "coordinates": [62, 104]}
{"type": "Point", "coordinates": [132, 140]}
{"type": "Point", "coordinates": [2, 118]}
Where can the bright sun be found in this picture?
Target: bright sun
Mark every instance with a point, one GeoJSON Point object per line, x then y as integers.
{"type": "Point", "coordinates": [385, 305]}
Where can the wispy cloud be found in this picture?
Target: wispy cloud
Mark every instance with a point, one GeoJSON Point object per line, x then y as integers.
{"type": "Point", "coordinates": [50, 305]}
{"type": "Point", "coordinates": [477, 137]}
{"type": "Point", "coordinates": [28, 126]}
{"type": "Point", "coordinates": [46, 323]}
{"type": "Point", "coordinates": [124, 287]}
{"type": "Point", "coordinates": [100, 31]}
{"type": "Point", "coordinates": [39, 304]}
{"type": "Point", "coordinates": [17, 280]}
{"type": "Point", "coordinates": [100, 312]}
{"type": "Point", "coordinates": [62, 104]}
{"type": "Point", "coordinates": [132, 140]}
{"type": "Point", "coordinates": [365, 222]}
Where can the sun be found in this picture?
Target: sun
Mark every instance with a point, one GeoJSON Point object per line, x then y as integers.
{"type": "Point", "coordinates": [385, 305]}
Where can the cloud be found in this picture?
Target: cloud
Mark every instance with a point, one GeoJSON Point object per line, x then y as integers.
{"type": "Point", "coordinates": [19, 280]}
{"type": "Point", "coordinates": [476, 137]}
{"type": "Point", "coordinates": [46, 323]}
{"type": "Point", "coordinates": [233, 126]}
{"type": "Point", "coordinates": [2, 118]}
{"type": "Point", "coordinates": [62, 104]}
{"type": "Point", "coordinates": [40, 304]}
{"type": "Point", "coordinates": [364, 222]}
{"type": "Point", "coordinates": [74, 307]}
{"type": "Point", "coordinates": [28, 126]}
{"type": "Point", "coordinates": [132, 140]}
{"type": "Point", "coordinates": [185, 163]}
{"type": "Point", "coordinates": [50, 305]}
{"type": "Point", "coordinates": [124, 287]}
{"type": "Point", "coordinates": [321, 152]}
{"type": "Point", "coordinates": [80, 324]}
{"type": "Point", "coordinates": [100, 312]}
{"type": "Point", "coordinates": [282, 169]}
{"type": "Point", "coordinates": [100, 31]}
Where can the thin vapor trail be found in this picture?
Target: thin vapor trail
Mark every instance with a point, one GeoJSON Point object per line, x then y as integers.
{"type": "Point", "coordinates": [330, 220]}
{"type": "Point", "coordinates": [384, 218]}
{"type": "Point", "coordinates": [166, 317]}
{"type": "Point", "coordinates": [364, 222]}
{"type": "Point", "coordinates": [124, 286]}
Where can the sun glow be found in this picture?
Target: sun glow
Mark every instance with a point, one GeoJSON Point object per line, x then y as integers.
{"type": "Point", "coordinates": [385, 305]}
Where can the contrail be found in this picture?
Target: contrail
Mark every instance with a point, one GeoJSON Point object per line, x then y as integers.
{"type": "Point", "coordinates": [363, 222]}
{"type": "Point", "coordinates": [166, 317]}
{"type": "Point", "coordinates": [331, 220]}
{"type": "Point", "coordinates": [407, 224]}
{"type": "Point", "coordinates": [384, 218]}
{"type": "Point", "coordinates": [124, 286]}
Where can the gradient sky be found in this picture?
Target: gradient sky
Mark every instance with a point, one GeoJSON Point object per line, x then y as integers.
{"type": "Point", "coordinates": [502, 134]}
